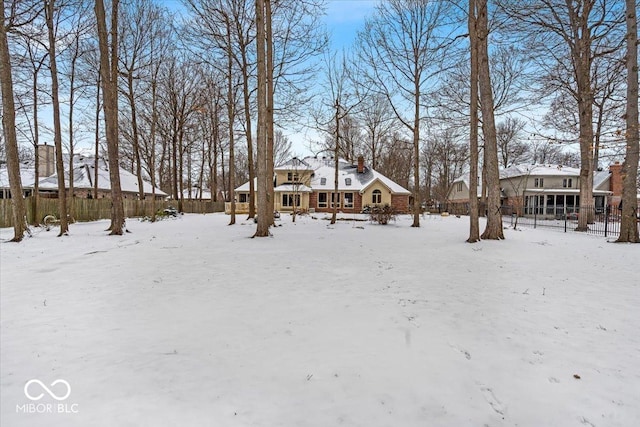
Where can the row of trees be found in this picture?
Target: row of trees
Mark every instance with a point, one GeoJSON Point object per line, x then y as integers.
{"type": "Point", "coordinates": [199, 96]}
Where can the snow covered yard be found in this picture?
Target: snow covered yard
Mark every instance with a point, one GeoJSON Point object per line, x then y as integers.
{"type": "Point", "coordinates": [189, 322]}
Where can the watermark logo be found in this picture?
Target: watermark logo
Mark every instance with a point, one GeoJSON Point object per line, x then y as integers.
{"type": "Point", "coordinates": [47, 389]}
{"type": "Point", "coordinates": [59, 390]}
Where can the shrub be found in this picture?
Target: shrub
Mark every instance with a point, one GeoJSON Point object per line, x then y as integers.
{"type": "Point", "coordinates": [382, 214]}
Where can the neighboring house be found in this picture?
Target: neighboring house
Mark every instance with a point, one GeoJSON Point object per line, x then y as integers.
{"type": "Point", "coordinates": [196, 193]}
{"type": "Point", "coordinates": [83, 178]}
{"type": "Point", "coordinates": [84, 181]}
{"type": "Point", "coordinates": [308, 185]}
{"type": "Point", "coordinates": [27, 176]}
{"type": "Point", "coordinates": [547, 190]}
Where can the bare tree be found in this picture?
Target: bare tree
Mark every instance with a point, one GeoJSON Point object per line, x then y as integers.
{"type": "Point", "coordinates": [9, 131]}
{"type": "Point", "coordinates": [136, 41]}
{"type": "Point", "coordinates": [629, 224]}
{"type": "Point", "coordinates": [50, 12]}
{"type": "Point", "coordinates": [379, 124]}
{"type": "Point", "coordinates": [109, 77]}
{"type": "Point", "coordinates": [400, 46]}
{"type": "Point", "coordinates": [231, 114]}
{"type": "Point", "coordinates": [511, 149]}
{"type": "Point", "coordinates": [474, 226]}
{"type": "Point", "coordinates": [37, 58]}
{"type": "Point", "coordinates": [264, 205]}
{"type": "Point", "coordinates": [567, 36]}
{"type": "Point", "coordinates": [493, 229]}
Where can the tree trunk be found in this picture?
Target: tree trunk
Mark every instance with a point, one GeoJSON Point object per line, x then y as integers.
{"type": "Point", "coordinates": [336, 153]}
{"type": "Point", "coordinates": [629, 225]}
{"type": "Point", "coordinates": [10, 138]}
{"type": "Point", "coordinates": [36, 142]}
{"type": "Point", "coordinates": [180, 166]}
{"type": "Point", "coordinates": [248, 133]}
{"type": "Point", "coordinates": [109, 72]}
{"type": "Point", "coordinates": [270, 106]}
{"type": "Point", "coordinates": [214, 168]}
{"type": "Point", "coordinates": [135, 136]}
{"type": "Point", "coordinates": [231, 116]}
{"type": "Point", "coordinates": [474, 226]}
{"type": "Point", "coordinates": [262, 229]}
{"type": "Point", "coordinates": [416, 154]}
{"type": "Point", "coordinates": [57, 124]}
{"type": "Point", "coordinates": [152, 137]}
{"type": "Point", "coordinates": [493, 229]}
{"type": "Point", "coordinates": [96, 160]}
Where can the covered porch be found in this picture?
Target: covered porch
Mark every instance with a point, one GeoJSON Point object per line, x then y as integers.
{"type": "Point", "coordinates": [558, 204]}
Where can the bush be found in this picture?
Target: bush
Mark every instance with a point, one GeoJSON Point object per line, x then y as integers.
{"type": "Point", "coordinates": [382, 214]}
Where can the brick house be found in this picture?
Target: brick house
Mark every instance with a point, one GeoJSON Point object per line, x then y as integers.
{"type": "Point", "coordinates": [308, 185]}
{"type": "Point", "coordinates": [546, 190]}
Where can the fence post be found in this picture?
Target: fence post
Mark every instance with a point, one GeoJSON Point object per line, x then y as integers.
{"type": "Point", "coordinates": [606, 219]}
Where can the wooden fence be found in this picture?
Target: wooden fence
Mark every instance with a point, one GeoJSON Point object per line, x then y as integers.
{"type": "Point", "coordinates": [94, 209]}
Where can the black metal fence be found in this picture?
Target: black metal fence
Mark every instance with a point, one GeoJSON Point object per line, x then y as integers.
{"type": "Point", "coordinates": [602, 221]}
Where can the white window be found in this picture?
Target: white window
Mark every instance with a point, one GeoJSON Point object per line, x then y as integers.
{"type": "Point", "coordinates": [459, 187]}
{"type": "Point", "coordinates": [322, 200]}
{"type": "Point", "coordinates": [376, 197]}
{"type": "Point", "coordinates": [538, 183]}
{"type": "Point", "coordinates": [347, 181]}
{"type": "Point", "coordinates": [348, 200]}
{"type": "Point", "coordinates": [293, 177]}
{"type": "Point", "coordinates": [289, 199]}
{"type": "Point", "coordinates": [323, 181]}
{"type": "Point", "coordinates": [567, 182]}
{"type": "Point", "coordinates": [243, 198]}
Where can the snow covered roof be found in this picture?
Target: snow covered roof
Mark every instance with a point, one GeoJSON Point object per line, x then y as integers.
{"type": "Point", "coordinates": [244, 188]}
{"type": "Point", "coordinates": [599, 177]}
{"type": "Point", "coordinates": [323, 176]}
{"type": "Point", "coordinates": [197, 193]}
{"type": "Point", "coordinates": [538, 170]}
{"type": "Point", "coordinates": [84, 173]}
{"type": "Point", "coordinates": [292, 188]}
{"type": "Point", "coordinates": [348, 177]}
{"type": "Point", "coordinates": [27, 175]}
{"type": "Point", "coordinates": [465, 179]}
{"type": "Point", "coordinates": [294, 164]}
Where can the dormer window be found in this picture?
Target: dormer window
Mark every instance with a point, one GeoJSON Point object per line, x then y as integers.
{"type": "Point", "coordinates": [347, 181]}
{"type": "Point", "coordinates": [292, 177]}
{"type": "Point", "coordinates": [323, 181]}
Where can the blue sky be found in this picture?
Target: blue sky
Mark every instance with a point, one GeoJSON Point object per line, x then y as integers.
{"type": "Point", "coordinates": [344, 18]}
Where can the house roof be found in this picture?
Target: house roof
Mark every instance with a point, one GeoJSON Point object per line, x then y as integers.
{"type": "Point", "coordinates": [599, 177]}
{"type": "Point", "coordinates": [292, 188]}
{"type": "Point", "coordinates": [244, 188]}
{"type": "Point", "coordinates": [294, 164]}
{"type": "Point", "coordinates": [27, 175]}
{"type": "Point", "coordinates": [348, 177]}
{"type": "Point", "coordinates": [465, 179]}
{"type": "Point", "coordinates": [323, 176]}
{"type": "Point", "coordinates": [538, 170]}
{"type": "Point", "coordinates": [83, 177]}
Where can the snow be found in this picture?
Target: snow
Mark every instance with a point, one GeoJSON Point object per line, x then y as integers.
{"type": "Point", "coordinates": [27, 176]}
{"type": "Point", "coordinates": [189, 322]}
{"type": "Point", "coordinates": [84, 171]}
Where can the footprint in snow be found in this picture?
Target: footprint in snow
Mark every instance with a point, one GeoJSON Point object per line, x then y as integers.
{"type": "Point", "coordinates": [492, 400]}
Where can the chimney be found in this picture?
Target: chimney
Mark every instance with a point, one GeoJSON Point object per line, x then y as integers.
{"type": "Point", "coordinates": [46, 160]}
{"type": "Point", "coordinates": [615, 183]}
{"type": "Point", "coordinates": [360, 164]}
